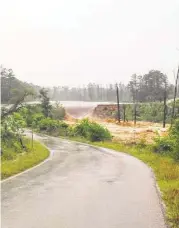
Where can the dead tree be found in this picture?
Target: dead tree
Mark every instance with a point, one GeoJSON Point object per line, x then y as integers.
{"type": "Point", "coordinates": [165, 105]}
{"type": "Point", "coordinates": [118, 106]}
{"type": "Point", "coordinates": [174, 98]}
{"type": "Point", "coordinates": [124, 112]}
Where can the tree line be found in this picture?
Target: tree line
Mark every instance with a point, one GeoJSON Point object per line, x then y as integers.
{"type": "Point", "coordinates": [149, 87]}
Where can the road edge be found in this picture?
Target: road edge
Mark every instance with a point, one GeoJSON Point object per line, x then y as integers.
{"type": "Point", "coordinates": [33, 167]}
{"type": "Point", "coordinates": [102, 149]}
{"type": "Point", "coordinates": [159, 193]}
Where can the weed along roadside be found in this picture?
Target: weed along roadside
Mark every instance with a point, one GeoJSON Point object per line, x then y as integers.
{"type": "Point", "coordinates": [14, 163]}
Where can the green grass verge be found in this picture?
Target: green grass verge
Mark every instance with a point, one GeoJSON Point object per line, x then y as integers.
{"type": "Point", "coordinates": [166, 171]}
{"type": "Point", "coordinates": [17, 162]}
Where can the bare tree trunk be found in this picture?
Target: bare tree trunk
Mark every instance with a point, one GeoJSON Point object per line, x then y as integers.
{"type": "Point", "coordinates": [118, 107]}
{"type": "Point", "coordinates": [21, 142]}
{"type": "Point", "coordinates": [124, 112]}
{"type": "Point", "coordinates": [174, 99]}
{"type": "Point", "coordinates": [32, 139]}
{"type": "Point", "coordinates": [135, 113]}
{"type": "Point", "coordinates": [165, 107]}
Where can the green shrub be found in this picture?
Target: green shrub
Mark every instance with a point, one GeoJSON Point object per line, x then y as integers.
{"type": "Point", "coordinates": [48, 124]}
{"type": "Point", "coordinates": [163, 144]}
{"type": "Point", "coordinates": [58, 113]}
{"type": "Point", "coordinates": [98, 133]}
{"type": "Point", "coordinates": [175, 154]}
{"type": "Point", "coordinates": [62, 124]}
{"type": "Point", "coordinates": [91, 131]}
{"type": "Point", "coordinates": [142, 142]}
{"type": "Point", "coordinates": [62, 129]}
{"type": "Point", "coordinates": [31, 113]}
{"type": "Point", "coordinates": [174, 130]}
{"type": "Point", "coordinates": [71, 131]}
{"type": "Point", "coordinates": [170, 143]}
{"type": "Point", "coordinates": [82, 128]}
{"type": "Point", "coordinates": [37, 117]}
{"type": "Point", "coordinates": [55, 127]}
{"type": "Point", "coordinates": [174, 134]}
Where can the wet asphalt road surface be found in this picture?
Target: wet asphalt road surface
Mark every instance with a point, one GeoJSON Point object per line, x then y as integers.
{"type": "Point", "coordinates": [82, 187]}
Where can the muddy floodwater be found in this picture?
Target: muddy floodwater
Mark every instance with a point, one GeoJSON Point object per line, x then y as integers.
{"type": "Point", "coordinates": [76, 109]}
{"type": "Point", "coordinates": [82, 187]}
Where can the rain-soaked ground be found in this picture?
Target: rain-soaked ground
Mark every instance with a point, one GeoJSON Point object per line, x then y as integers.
{"type": "Point", "coordinates": [82, 187]}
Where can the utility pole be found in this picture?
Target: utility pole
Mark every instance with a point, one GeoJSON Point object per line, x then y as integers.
{"type": "Point", "coordinates": [32, 142]}
{"type": "Point", "coordinates": [135, 105]}
{"type": "Point", "coordinates": [118, 107]}
{"type": "Point", "coordinates": [174, 98]}
{"type": "Point", "coordinates": [124, 112]}
{"type": "Point", "coordinates": [135, 113]}
{"type": "Point", "coordinates": [165, 106]}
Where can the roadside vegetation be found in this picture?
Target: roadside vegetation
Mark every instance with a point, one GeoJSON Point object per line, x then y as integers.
{"type": "Point", "coordinates": [15, 160]}
{"type": "Point", "coordinates": [150, 112]}
{"type": "Point", "coordinates": [19, 153]}
{"type": "Point", "coordinates": [48, 119]}
{"type": "Point", "coordinates": [163, 157]}
{"type": "Point", "coordinates": [166, 170]}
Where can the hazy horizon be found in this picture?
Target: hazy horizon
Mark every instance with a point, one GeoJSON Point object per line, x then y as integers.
{"type": "Point", "coordinates": [57, 43]}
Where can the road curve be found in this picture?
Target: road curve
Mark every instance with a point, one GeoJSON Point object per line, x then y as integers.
{"type": "Point", "coordinates": [82, 187]}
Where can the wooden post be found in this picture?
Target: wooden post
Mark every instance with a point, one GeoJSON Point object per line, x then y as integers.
{"type": "Point", "coordinates": [32, 139]}
{"type": "Point", "coordinates": [135, 106]}
{"type": "Point", "coordinates": [174, 98]}
{"type": "Point", "coordinates": [118, 107]}
{"type": "Point", "coordinates": [124, 112]}
{"type": "Point", "coordinates": [135, 113]}
{"type": "Point", "coordinates": [165, 106]}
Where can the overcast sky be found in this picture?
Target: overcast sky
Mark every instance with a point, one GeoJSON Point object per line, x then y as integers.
{"type": "Point", "coordinates": [73, 42]}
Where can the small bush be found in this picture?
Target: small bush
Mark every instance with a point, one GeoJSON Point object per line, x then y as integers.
{"type": "Point", "coordinates": [82, 128]}
{"type": "Point", "coordinates": [62, 124]}
{"type": "Point", "coordinates": [58, 113]}
{"type": "Point", "coordinates": [170, 143]}
{"type": "Point", "coordinates": [48, 124]}
{"type": "Point", "coordinates": [142, 142]}
{"type": "Point", "coordinates": [174, 135]}
{"type": "Point", "coordinates": [70, 131]}
{"type": "Point", "coordinates": [98, 133]}
{"type": "Point", "coordinates": [31, 113]}
{"type": "Point", "coordinates": [91, 131]}
{"type": "Point", "coordinates": [174, 130]}
{"type": "Point", "coordinates": [54, 127]}
{"type": "Point", "coordinates": [163, 144]}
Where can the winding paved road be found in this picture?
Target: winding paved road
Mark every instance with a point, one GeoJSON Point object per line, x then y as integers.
{"type": "Point", "coordinates": [82, 187]}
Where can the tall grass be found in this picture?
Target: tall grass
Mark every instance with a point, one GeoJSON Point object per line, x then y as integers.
{"type": "Point", "coordinates": [13, 163]}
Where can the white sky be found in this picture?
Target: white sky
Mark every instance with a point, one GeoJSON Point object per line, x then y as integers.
{"type": "Point", "coordinates": [73, 42]}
